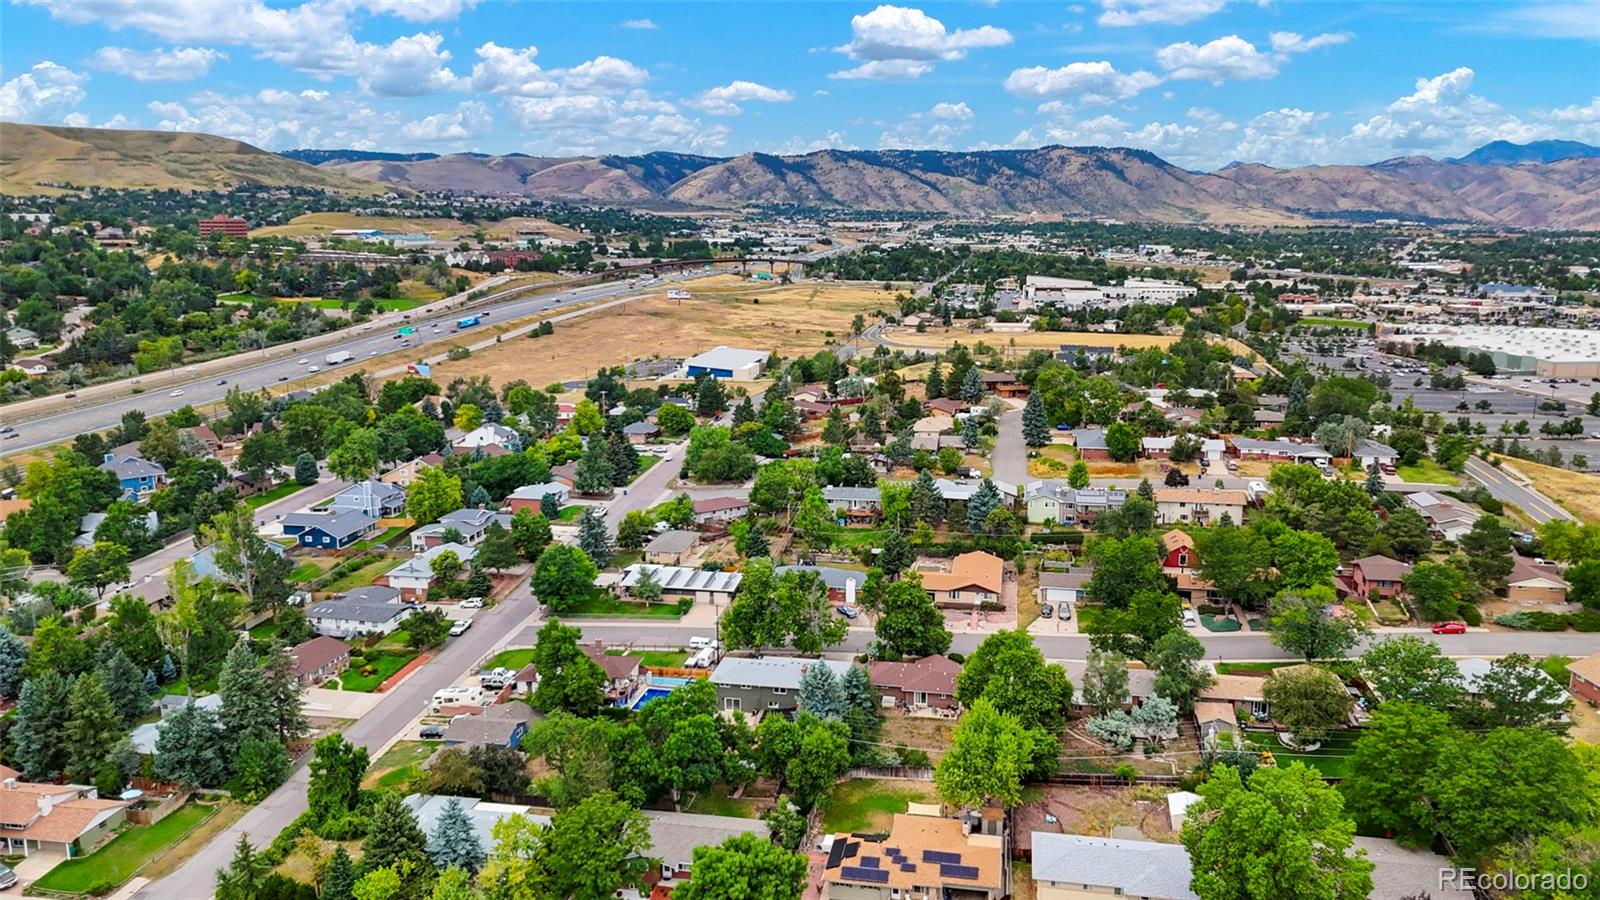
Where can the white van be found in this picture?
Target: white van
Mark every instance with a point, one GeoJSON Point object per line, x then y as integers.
{"type": "Point", "coordinates": [701, 643]}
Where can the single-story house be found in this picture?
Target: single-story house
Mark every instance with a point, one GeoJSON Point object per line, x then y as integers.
{"type": "Point", "coordinates": [489, 434]}
{"type": "Point", "coordinates": [22, 338]}
{"type": "Point", "coordinates": [1091, 444]}
{"type": "Point", "coordinates": [716, 588]}
{"type": "Point", "coordinates": [1056, 588]}
{"type": "Point", "coordinates": [671, 548]}
{"type": "Point", "coordinates": [1279, 450]}
{"type": "Point", "coordinates": [1211, 449]}
{"type": "Point", "coordinates": [1376, 573]}
{"type": "Point", "coordinates": [90, 523]}
{"type": "Point", "coordinates": [66, 819]}
{"type": "Point", "coordinates": [715, 510]}
{"type": "Point", "coordinates": [529, 496]}
{"type": "Point", "coordinates": [1003, 384]}
{"type": "Point", "coordinates": [674, 836]}
{"type": "Point", "coordinates": [855, 505]}
{"type": "Point", "coordinates": [918, 683]}
{"type": "Point", "coordinates": [371, 610]}
{"type": "Point", "coordinates": [639, 432]}
{"type": "Point", "coordinates": [1474, 668]}
{"type": "Point", "coordinates": [328, 530]}
{"type": "Point", "coordinates": [1201, 506]}
{"type": "Point", "coordinates": [1371, 453]}
{"type": "Point", "coordinates": [954, 490]}
{"type": "Point", "coordinates": [1584, 678]}
{"type": "Point", "coordinates": [1141, 682]}
{"type": "Point", "coordinates": [204, 560]}
{"type": "Point", "coordinates": [378, 499]}
{"type": "Point", "coordinates": [498, 725]}
{"type": "Point", "coordinates": [1242, 692]}
{"type": "Point", "coordinates": [413, 577]}
{"type": "Point", "coordinates": [622, 672]}
{"type": "Point", "coordinates": [727, 362]}
{"type": "Point", "coordinates": [842, 583]}
{"type": "Point", "coordinates": [319, 659]}
{"type": "Point", "coordinates": [1448, 519]}
{"type": "Point", "coordinates": [924, 855]}
{"type": "Point", "coordinates": [138, 477]}
{"type": "Point", "coordinates": [1532, 583]}
{"type": "Point", "coordinates": [429, 808]}
{"type": "Point", "coordinates": [758, 683]}
{"type": "Point", "coordinates": [970, 579]}
{"type": "Point", "coordinates": [944, 406]}
{"type": "Point", "coordinates": [1268, 418]}
{"type": "Point", "coordinates": [473, 524]}
{"type": "Point", "coordinates": [1081, 867]}
{"type": "Point", "coordinates": [932, 425]}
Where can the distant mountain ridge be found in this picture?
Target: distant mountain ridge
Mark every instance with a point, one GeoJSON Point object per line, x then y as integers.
{"type": "Point", "coordinates": [318, 157]}
{"type": "Point", "coordinates": [1505, 153]}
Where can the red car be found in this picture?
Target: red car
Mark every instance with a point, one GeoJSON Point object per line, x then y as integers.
{"type": "Point", "coordinates": [1450, 628]}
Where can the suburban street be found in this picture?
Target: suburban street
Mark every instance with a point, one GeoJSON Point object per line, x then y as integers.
{"type": "Point", "coordinates": [1507, 489]}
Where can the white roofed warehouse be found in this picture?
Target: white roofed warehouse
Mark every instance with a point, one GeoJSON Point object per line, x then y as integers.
{"type": "Point", "coordinates": [733, 363]}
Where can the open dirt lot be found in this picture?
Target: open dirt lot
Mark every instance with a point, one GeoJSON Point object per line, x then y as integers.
{"type": "Point", "coordinates": [1095, 810]}
{"type": "Point", "coordinates": [1020, 344]}
{"type": "Point", "coordinates": [788, 319]}
{"type": "Point", "coordinates": [1577, 492]}
{"type": "Point", "coordinates": [321, 223]}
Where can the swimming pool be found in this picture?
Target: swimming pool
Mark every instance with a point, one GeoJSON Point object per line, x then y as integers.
{"type": "Point", "coordinates": [650, 693]}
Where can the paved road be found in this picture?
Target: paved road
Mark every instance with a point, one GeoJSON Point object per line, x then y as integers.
{"type": "Point", "coordinates": [1010, 457]}
{"type": "Point", "coordinates": [364, 342]}
{"type": "Point", "coordinates": [375, 730]}
{"type": "Point", "coordinates": [1507, 489]}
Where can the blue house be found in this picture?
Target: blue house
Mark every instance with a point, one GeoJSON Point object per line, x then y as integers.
{"type": "Point", "coordinates": [328, 530]}
{"type": "Point", "coordinates": [499, 725]}
{"type": "Point", "coordinates": [139, 477]}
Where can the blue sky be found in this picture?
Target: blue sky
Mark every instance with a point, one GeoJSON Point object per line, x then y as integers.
{"type": "Point", "coordinates": [1200, 82]}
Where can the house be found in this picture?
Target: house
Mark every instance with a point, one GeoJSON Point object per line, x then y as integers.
{"type": "Point", "coordinates": [319, 659]}
{"type": "Point", "coordinates": [961, 490]}
{"type": "Point", "coordinates": [1534, 584]}
{"type": "Point", "coordinates": [406, 472]}
{"type": "Point", "coordinates": [414, 577]}
{"type": "Point", "coordinates": [489, 434]}
{"type": "Point", "coordinates": [1211, 449]}
{"type": "Point", "coordinates": [623, 673]}
{"type": "Point", "coordinates": [1081, 867]}
{"type": "Point", "coordinates": [1242, 692]}
{"type": "Point", "coordinates": [377, 499]}
{"type": "Point", "coordinates": [1473, 669]}
{"type": "Point", "coordinates": [1584, 678]}
{"type": "Point", "coordinates": [1141, 683]}
{"type": "Point", "coordinates": [719, 510]}
{"type": "Point", "coordinates": [946, 407]}
{"type": "Point", "coordinates": [1082, 506]}
{"type": "Point", "coordinates": [678, 582]}
{"type": "Point", "coordinates": [64, 819]}
{"type": "Point", "coordinates": [328, 530]}
{"type": "Point", "coordinates": [1268, 418]}
{"type": "Point", "coordinates": [498, 725]}
{"type": "Point", "coordinates": [929, 682]}
{"type": "Point", "coordinates": [1201, 506]}
{"type": "Point", "coordinates": [472, 524]}
{"type": "Point", "coordinates": [842, 583]}
{"type": "Point", "coordinates": [33, 368]}
{"type": "Point", "coordinates": [429, 808]}
{"type": "Point", "coordinates": [1373, 454]}
{"type": "Point", "coordinates": [1377, 573]}
{"type": "Point", "coordinates": [1448, 519]}
{"type": "Point", "coordinates": [1178, 555]}
{"type": "Point", "coordinates": [1278, 450]}
{"type": "Point", "coordinates": [727, 362]}
{"type": "Point", "coordinates": [1067, 587]}
{"type": "Point", "coordinates": [138, 477]}
{"type": "Point", "coordinates": [971, 579]}
{"type": "Point", "coordinates": [1003, 384]}
{"type": "Point", "coordinates": [757, 684]}
{"type": "Point", "coordinates": [371, 610]}
{"type": "Point", "coordinates": [22, 338]}
{"type": "Point", "coordinates": [671, 548]}
{"type": "Point", "coordinates": [529, 496]}
{"type": "Point", "coordinates": [91, 522]}
{"type": "Point", "coordinates": [640, 432]}
{"type": "Point", "coordinates": [855, 505]}
{"type": "Point", "coordinates": [932, 425]}
{"type": "Point", "coordinates": [674, 836]}
{"type": "Point", "coordinates": [1091, 444]}
{"type": "Point", "coordinates": [923, 855]}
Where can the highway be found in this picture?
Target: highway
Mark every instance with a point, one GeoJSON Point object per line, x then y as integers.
{"type": "Point", "coordinates": [1507, 489]}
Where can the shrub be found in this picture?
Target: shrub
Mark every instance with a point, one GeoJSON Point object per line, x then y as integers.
{"type": "Point", "coordinates": [1470, 614]}
{"type": "Point", "coordinates": [345, 828]}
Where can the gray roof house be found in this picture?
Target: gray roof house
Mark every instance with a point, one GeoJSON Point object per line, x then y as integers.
{"type": "Point", "coordinates": [669, 547]}
{"type": "Point", "coordinates": [370, 610]}
{"type": "Point", "coordinates": [376, 498]}
{"type": "Point", "coordinates": [761, 683]}
{"type": "Point", "coordinates": [500, 725]}
{"type": "Point", "coordinates": [472, 523]}
{"type": "Point", "coordinates": [841, 497]}
{"type": "Point", "coordinates": [428, 808]}
{"type": "Point", "coordinates": [674, 837]}
{"type": "Point", "coordinates": [1111, 866]}
{"type": "Point", "coordinates": [682, 581]}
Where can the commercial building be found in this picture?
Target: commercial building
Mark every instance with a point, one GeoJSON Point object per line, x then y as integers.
{"type": "Point", "coordinates": [727, 362]}
{"type": "Point", "coordinates": [228, 225]}
{"type": "Point", "coordinates": [1544, 352]}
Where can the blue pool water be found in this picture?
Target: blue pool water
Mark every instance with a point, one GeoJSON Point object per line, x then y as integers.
{"type": "Point", "coordinates": [650, 693]}
{"type": "Point", "coordinates": [668, 682]}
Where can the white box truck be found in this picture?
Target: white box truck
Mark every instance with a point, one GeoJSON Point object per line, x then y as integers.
{"type": "Point", "coordinates": [333, 359]}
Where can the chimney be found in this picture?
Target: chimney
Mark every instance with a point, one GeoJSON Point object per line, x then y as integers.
{"type": "Point", "coordinates": [850, 591]}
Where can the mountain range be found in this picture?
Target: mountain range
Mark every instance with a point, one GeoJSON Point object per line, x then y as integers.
{"type": "Point", "coordinates": [1547, 184]}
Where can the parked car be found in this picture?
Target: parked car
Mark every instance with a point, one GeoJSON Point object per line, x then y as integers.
{"type": "Point", "coordinates": [1046, 611]}
{"type": "Point", "coordinates": [472, 603]}
{"type": "Point", "coordinates": [1450, 628]}
{"type": "Point", "coordinates": [848, 611]}
{"type": "Point", "coordinates": [8, 878]}
{"type": "Point", "coordinates": [495, 679]}
{"type": "Point", "coordinates": [459, 627]}
{"type": "Point", "coordinates": [1066, 609]}
{"type": "Point", "coordinates": [431, 732]}
{"type": "Point", "coordinates": [1190, 620]}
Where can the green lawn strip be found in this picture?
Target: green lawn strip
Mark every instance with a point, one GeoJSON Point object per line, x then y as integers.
{"type": "Point", "coordinates": [865, 804]}
{"type": "Point", "coordinates": [384, 663]}
{"type": "Point", "coordinates": [118, 860]}
{"type": "Point", "coordinates": [391, 305]}
{"type": "Point", "coordinates": [363, 576]}
{"type": "Point", "coordinates": [1220, 624]}
{"type": "Point", "coordinates": [1244, 668]}
{"type": "Point", "coordinates": [1332, 759]}
{"type": "Point", "coordinates": [859, 537]}
{"type": "Point", "coordinates": [666, 659]}
{"type": "Point", "coordinates": [511, 659]}
{"type": "Point", "coordinates": [266, 631]}
{"type": "Point", "coordinates": [385, 538]}
{"type": "Point", "coordinates": [716, 802]}
{"type": "Point", "coordinates": [306, 571]}
{"type": "Point", "coordinates": [399, 764]}
{"type": "Point", "coordinates": [1323, 322]}
{"type": "Point", "coordinates": [603, 604]}
{"type": "Point", "coordinates": [570, 513]}
{"type": "Point", "coordinates": [1426, 471]}
{"type": "Point", "coordinates": [277, 493]}
{"type": "Point", "coordinates": [646, 461]}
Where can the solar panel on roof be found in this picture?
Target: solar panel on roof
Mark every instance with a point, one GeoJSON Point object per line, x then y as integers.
{"type": "Point", "coordinates": [869, 862]}
{"type": "Point", "coordinates": [857, 873]}
{"type": "Point", "coordinates": [835, 854]}
{"type": "Point", "coordinates": [941, 856]}
{"type": "Point", "coordinates": [949, 870]}
{"type": "Point", "coordinates": [908, 867]}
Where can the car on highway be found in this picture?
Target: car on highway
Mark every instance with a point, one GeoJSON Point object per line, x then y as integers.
{"type": "Point", "coordinates": [222, 381]}
{"type": "Point", "coordinates": [302, 361]}
{"type": "Point", "coordinates": [7, 429]}
{"type": "Point", "coordinates": [314, 369]}
{"type": "Point", "coordinates": [70, 394]}
{"type": "Point", "coordinates": [1450, 628]}
{"type": "Point", "coordinates": [372, 353]}
{"type": "Point", "coordinates": [135, 381]}
{"type": "Point", "coordinates": [459, 627]}
{"type": "Point", "coordinates": [177, 393]}
{"type": "Point", "coordinates": [472, 603]}
{"type": "Point", "coordinates": [283, 378]}
{"type": "Point", "coordinates": [11, 436]}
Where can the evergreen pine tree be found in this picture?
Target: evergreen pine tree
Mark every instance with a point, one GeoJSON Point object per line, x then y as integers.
{"type": "Point", "coordinates": [594, 469]}
{"type": "Point", "coordinates": [1146, 490]}
{"type": "Point", "coordinates": [38, 732]}
{"type": "Point", "coordinates": [926, 505]}
{"type": "Point", "coordinates": [743, 413]}
{"type": "Point", "coordinates": [393, 836]}
{"type": "Point", "coordinates": [13, 657]}
{"type": "Point", "coordinates": [820, 692]}
{"type": "Point", "coordinates": [986, 500]}
{"type": "Point", "coordinates": [188, 749]}
{"type": "Point", "coordinates": [858, 692]}
{"type": "Point", "coordinates": [479, 498]}
{"type": "Point", "coordinates": [592, 537]}
{"type": "Point", "coordinates": [130, 694]}
{"type": "Point", "coordinates": [305, 469]}
{"type": "Point", "coordinates": [1035, 427]}
{"type": "Point", "coordinates": [453, 842]}
{"type": "Point", "coordinates": [970, 436]}
{"type": "Point", "coordinates": [972, 385]}
{"type": "Point", "coordinates": [284, 694]}
{"type": "Point", "coordinates": [339, 877]}
{"type": "Point", "coordinates": [935, 382]}
{"type": "Point", "coordinates": [709, 396]}
{"type": "Point", "coordinates": [1375, 486]}
{"type": "Point", "coordinates": [897, 554]}
{"type": "Point", "coordinates": [624, 458]}
{"type": "Point", "coordinates": [93, 728]}
{"type": "Point", "coordinates": [245, 713]}
{"type": "Point", "coordinates": [242, 879]}
{"type": "Point", "coordinates": [169, 671]}
{"type": "Point", "coordinates": [549, 507]}
{"type": "Point", "coordinates": [756, 545]}
{"type": "Point", "coordinates": [150, 685]}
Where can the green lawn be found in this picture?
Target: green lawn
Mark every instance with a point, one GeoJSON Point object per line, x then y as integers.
{"type": "Point", "coordinates": [1245, 668]}
{"type": "Point", "coordinates": [277, 493]}
{"type": "Point", "coordinates": [716, 802]}
{"type": "Point", "coordinates": [266, 631]}
{"type": "Point", "coordinates": [397, 305]}
{"type": "Point", "coordinates": [603, 604]}
{"type": "Point", "coordinates": [1219, 624]}
{"type": "Point", "coordinates": [385, 538]}
{"type": "Point", "coordinates": [646, 460]}
{"type": "Point", "coordinates": [306, 571]}
{"type": "Point", "coordinates": [666, 659]}
{"type": "Point", "coordinates": [858, 537]}
{"type": "Point", "coordinates": [867, 805]}
{"type": "Point", "coordinates": [570, 513]}
{"type": "Point", "coordinates": [118, 860]}
{"type": "Point", "coordinates": [1332, 759]}
{"type": "Point", "coordinates": [1426, 471]}
{"type": "Point", "coordinates": [398, 765]}
{"type": "Point", "coordinates": [511, 659]}
{"type": "Point", "coordinates": [386, 663]}
{"type": "Point", "coordinates": [363, 576]}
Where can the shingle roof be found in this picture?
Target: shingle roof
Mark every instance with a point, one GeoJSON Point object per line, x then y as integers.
{"type": "Point", "coordinates": [835, 578]}
{"type": "Point", "coordinates": [674, 836]}
{"type": "Point", "coordinates": [310, 656]}
{"type": "Point", "coordinates": [1074, 578]}
{"type": "Point", "coordinates": [934, 674]}
{"type": "Point", "coordinates": [1139, 868]}
{"type": "Point", "coordinates": [672, 542]}
{"type": "Point", "coordinates": [718, 504]}
{"type": "Point", "coordinates": [494, 725]}
{"type": "Point", "coordinates": [852, 494]}
{"type": "Point", "coordinates": [356, 610]}
{"type": "Point", "coordinates": [132, 467]}
{"type": "Point", "coordinates": [1090, 439]}
{"type": "Point", "coordinates": [1381, 568]}
{"type": "Point", "coordinates": [683, 579]}
{"type": "Point", "coordinates": [336, 524]}
{"type": "Point", "coordinates": [769, 671]}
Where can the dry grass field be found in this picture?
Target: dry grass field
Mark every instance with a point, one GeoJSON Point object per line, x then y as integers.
{"type": "Point", "coordinates": [1577, 492]}
{"type": "Point", "coordinates": [787, 319]}
{"type": "Point", "coordinates": [320, 224]}
{"type": "Point", "coordinates": [1019, 344]}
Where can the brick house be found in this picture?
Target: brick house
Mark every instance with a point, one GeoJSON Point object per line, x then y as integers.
{"type": "Point", "coordinates": [1377, 573]}
{"type": "Point", "coordinates": [1584, 678]}
{"type": "Point", "coordinates": [919, 683]}
{"type": "Point", "coordinates": [319, 659]}
{"type": "Point", "coordinates": [971, 579]}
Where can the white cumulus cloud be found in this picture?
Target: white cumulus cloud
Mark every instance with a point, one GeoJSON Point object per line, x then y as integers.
{"type": "Point", "coordinates": [43, 93]}
{"type": "Point", "coordinates": [1230, 58]}
{"type": "Point", "coordinates": [1122, 13]}
{"type": "Point", "coordinates": [902, 42]}
{"type": "Point", "coordinates": [470, 119]}
{"type": "Point", "coordinates": [1291, 42]}
{"type": "Point", "coordinates": [1090, 82]}
{"type": "Point", "coordinates": [176, 64]}
{"type": "Point", "coordinates": [725, 99]}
